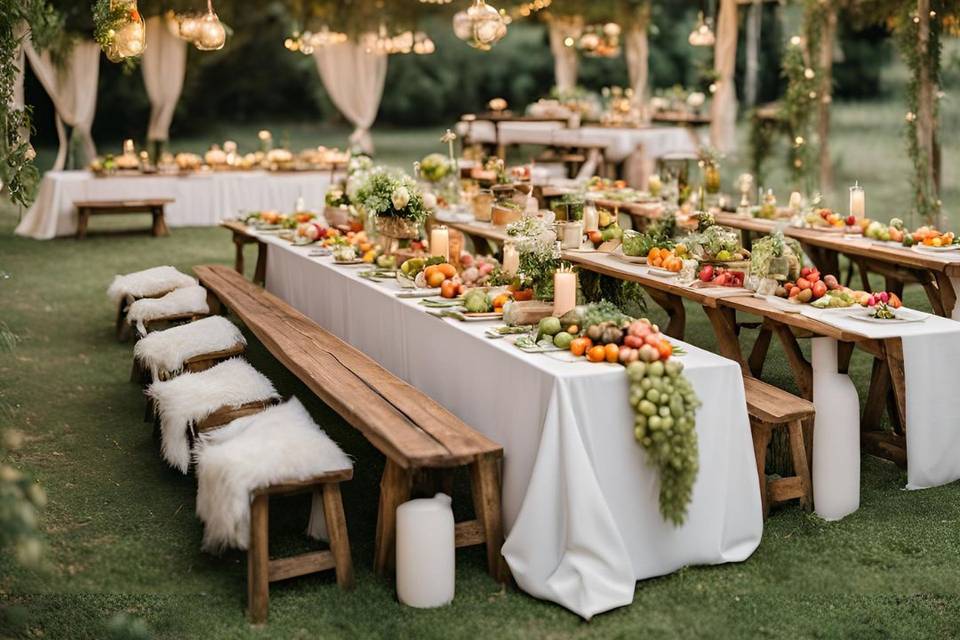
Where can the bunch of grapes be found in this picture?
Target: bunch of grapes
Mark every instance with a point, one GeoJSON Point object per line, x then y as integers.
{"type": "Point", "coordinates": [665, 425]}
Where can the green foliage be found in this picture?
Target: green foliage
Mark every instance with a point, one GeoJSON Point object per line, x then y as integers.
{"type": "Point", "coordinates": [623, 294]}
{"type": "Point", "coordinates": [797, 112]}
{"type": "Point", "coordinates": [926, 202]}
{"type": "Point", "coordinates": [18, 174]}
{"type": "Point", "coordinates": [380, 190]}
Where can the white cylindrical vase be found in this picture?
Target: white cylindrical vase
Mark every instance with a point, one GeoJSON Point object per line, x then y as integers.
{"type": "Point", "coordinates": [836, 435]}
{"type": "Point", "coordinates": [426, 552]}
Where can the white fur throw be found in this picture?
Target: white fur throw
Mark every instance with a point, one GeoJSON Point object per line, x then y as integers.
{"type": "Point", "coordinates": [148, 283]}
{"type": "Point", "coordinates": [191, 397]}
{"type": "Point", "coordinates": [169, 349]}
{"type": "Point", "coordinates": [281, 444]}
{"type": "Point", "coordinates": [186, 300]}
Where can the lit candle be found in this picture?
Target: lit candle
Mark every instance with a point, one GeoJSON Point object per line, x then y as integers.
{"type": "Point", "coordinates": [511, 259]}
{"type": "Point", "coordinates": [795, 200]}
{"type": "Point", "coordinates": [128, 147]}
{"type": "Point", "coordinates": [857, 201]}
{"type": "Point", "coordinates": [440, 242]}
{"type": "Point", "coordinates": [654, 184]}
{"type": "Point", "coordinates": [564, 291]}
{"type": "Point", "coordinates": [591, 219]}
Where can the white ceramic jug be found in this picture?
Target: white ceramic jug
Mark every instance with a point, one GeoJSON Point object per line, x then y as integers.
{"type": "Point", "coordinates": [426, 553]}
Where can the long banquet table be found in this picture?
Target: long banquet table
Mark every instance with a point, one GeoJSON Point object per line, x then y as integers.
{"type": "Point", "coordinates": [917, 362]}
{"type": "Point", "coordinates": [200, 199]}
{"type": "Point", "coordinates": [580, 500]}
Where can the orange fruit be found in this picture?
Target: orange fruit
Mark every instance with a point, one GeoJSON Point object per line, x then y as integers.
{"type": "Point", "coordinates": [653, 254]}
{"type": "Point", "coordinates": [579, 346]}
{"type": "Point", "coordinates": [612, 351]}
{"type": "Point", "coordinates": [665, 349]}
{"type": "Point", "coordinates": [447, 269]}
{"type": "Point", "coordinates": [596, 354]}
{"type": "Point", "coordinates": [435, 279]}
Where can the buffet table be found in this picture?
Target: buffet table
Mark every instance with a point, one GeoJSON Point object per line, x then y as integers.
{"type": "Point", "coordinates": [200, 199]}
{"type": "Point", "coordinates": [579, 498]}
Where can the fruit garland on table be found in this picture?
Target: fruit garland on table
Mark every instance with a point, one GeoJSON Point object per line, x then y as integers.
{"type": "Point", "coordinates": [663, 400]}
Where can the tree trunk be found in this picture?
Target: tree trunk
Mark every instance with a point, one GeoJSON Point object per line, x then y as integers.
{"type": "Point", "coordinates": [825, 63]}
{"type": "Point", "coordinates": [925, 97]}
{"type": "Point", "coordinates": [754, 22]}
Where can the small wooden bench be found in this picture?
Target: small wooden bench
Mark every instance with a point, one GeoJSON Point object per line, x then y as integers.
{"type": "Point", "coordinates": [771, 408]}
{"type": "Point", "coordinates": [416, 434]}
{"type": "Point", "coordinates": [153, 206]}
{"type": "Point", "coordinates": [261, 570]}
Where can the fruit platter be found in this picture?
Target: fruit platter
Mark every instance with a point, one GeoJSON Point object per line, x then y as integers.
{"type": "Point", "coordinates": [478, 303]}
{"type": "Point", "coordinates": [272, 220]}
{"type": "Point", "coordinates": [616, 190]}
{"type": "Point", "coordinates": [824, 219]}
{"type": "Point", "coordinates": [435, 272]}
{"type": "Point", "coordinates": [666, 260]}
{"type": "Point", "coordinates": [609, 234]}
{"type": "Point", "coordinates": [715, 276]}
{"type": "Point", "coordinates": [828, 293]}
{"type": "Point", "coordinates": [886, 313]}
{"type": "Point", "coordinates": [931, 240]}
{"type": "Point", "coordinates": [719, 246]}
{"type": "Point", "coordinates": [894, 232]}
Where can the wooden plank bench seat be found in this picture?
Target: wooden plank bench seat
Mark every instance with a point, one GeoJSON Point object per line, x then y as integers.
{"type": "Point", "coordinates": [770, 408]}
{"type": "Point", "coordinates": [153, 206]}
{"type": "Point", "coordinates": [416, 434]}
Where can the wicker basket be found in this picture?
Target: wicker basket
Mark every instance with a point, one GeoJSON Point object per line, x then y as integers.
{"type": "Point", "coordinates": [397, 228]}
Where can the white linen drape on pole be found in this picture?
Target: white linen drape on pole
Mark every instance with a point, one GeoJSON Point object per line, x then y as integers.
{"type": "Point", "coordinates": [723, 111]}
{"type": "Point", "coordinates": [354, 80]}
{"type": "Point", "coordinates": [637, 54]}
{"type": "Point", "coordinates": [72, 86]}
{"type": "Point", "coordinates": [564, 57]}
{"type": "Point", "coordinates": [164, 65]}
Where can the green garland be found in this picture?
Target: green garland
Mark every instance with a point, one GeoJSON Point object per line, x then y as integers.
{"type": "Point", "coordinates": [797, 111]}
{"type": "Point", "coordinates": [18, 174]}
{"type": "Point", "coordinates": [925, 200]}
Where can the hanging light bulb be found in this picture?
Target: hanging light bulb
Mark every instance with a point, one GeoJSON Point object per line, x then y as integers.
{"type": "Point", "coordinates": [189, 27]}
{"type": "Point", "coordinates": [211, 35]}
{"type": "Point", "coordinates": [702, 34]}
{"type": "Point", "coordinates": [481, 26]}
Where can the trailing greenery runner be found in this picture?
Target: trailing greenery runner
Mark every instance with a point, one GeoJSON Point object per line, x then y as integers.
{"type": "Point", "coordinates": [18, 175]}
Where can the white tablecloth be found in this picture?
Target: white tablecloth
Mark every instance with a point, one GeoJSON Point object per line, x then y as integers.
{"type": "Point", "coordinates": [931, 369]}
{"type": "Point", "coordinates": [579, 498]}
{"type": "Point", "coordinates": [199, 200]}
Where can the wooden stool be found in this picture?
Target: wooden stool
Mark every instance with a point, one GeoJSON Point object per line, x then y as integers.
{"type": "Point", "coordinates": [770, 408]}
{"type": "Point", "coordinates": [261, 570]}
{"type": "Point", "coordinates": [155, 207]}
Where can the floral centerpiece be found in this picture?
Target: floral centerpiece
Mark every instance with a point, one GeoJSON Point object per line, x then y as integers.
{"type": "Point", "coordinates": [535, 241]}
{"type": "Point", "coordinates": [395, 202]}
{"type": "Point", "coordinates": [435, 167]}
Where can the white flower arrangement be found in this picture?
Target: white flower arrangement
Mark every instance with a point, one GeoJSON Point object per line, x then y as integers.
{"type": "Point", "coordinates": [390, 193]}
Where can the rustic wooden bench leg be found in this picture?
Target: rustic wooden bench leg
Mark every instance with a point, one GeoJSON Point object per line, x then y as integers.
{"type": "Point", "coordinates": [724, 323]}
{"type": "Point", "coordinates": [485, 482]}
{"type": "Point", "coordinates": [337, 529]}
{"type": "Point", "coordinates": [761, 440]}
{"type": "Point", "coordinates": [258, 560]}
{"type": "Point", "coordinates": [395, 487]}
{"type": "Point", "coordinates": [83, 217]}
{"type": "Point", "coordinates": [800, 468]}
{"type": "Point", "coordinates": [159, 223]}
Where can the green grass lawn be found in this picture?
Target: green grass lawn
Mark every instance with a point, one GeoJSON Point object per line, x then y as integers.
{"type": "Point", "coordinates": [122, 536]}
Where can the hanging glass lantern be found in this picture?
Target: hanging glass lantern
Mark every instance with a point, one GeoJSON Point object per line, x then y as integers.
{"type": "Point", "coordinates": [211, 35]}
{"type": "Point", "coordinates": [129, 39]}
{"type": "Point", "coordinates": [481, 26]}
{"type": "Point", "coordinates": [702, 34]}
{"type": "Point", "coordinates": [189, 27]}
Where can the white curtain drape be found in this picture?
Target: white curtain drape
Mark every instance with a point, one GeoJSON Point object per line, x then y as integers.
{"type": "Point", "coordinates": [354, 80]}
{"type": "Point", "coordinates": [164, 65]}
{"type": "Point", "coordinates": [637, 53]}
{"type": "Point", "coordinates": [72, 86]}
{"type": "Point", "coordinates": [723, 111]}
{"type": "Point", "coordinates": [564, 57]}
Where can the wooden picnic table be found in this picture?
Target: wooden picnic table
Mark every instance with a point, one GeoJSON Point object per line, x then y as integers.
{"type": "Point", "coordinates": [241, 238]}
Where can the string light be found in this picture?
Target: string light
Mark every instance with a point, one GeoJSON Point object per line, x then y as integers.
{"type": "Point", "coordinates": [702, 34]}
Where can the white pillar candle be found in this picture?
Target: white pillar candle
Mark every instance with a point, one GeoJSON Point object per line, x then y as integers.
{"type": "Point", "coordinates": [654, 185]}
{"type": "Point", "coordinates": [795, 200]}
{"type": "Point", "coordinates": [564, 291]}
{"type": "Point", "coordinates": [511, 259]}
{"type": "Point", "coordinates": [426, 552]}
{"type": "Point", "coordinates": [858, 203]}
{"type": "Point", "coordinates": [591, 219]}
{"type": "Point", "coordinates": [440, 242]}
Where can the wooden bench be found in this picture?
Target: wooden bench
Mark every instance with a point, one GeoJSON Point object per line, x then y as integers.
{"type": "Point", "coordinates": [417, 435]}
{"type": "Point", "coordinates": [261, 570]}
{"type": "Point", "coordinates": [153, 206]}
{"type": "Point", "coordinates": [771, 408]}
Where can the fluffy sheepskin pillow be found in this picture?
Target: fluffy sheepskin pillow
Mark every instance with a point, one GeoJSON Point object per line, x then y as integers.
{"type": "Point", "coordinates": [191, 397]}
{"type": "Point", "coordinates": [169, 349]}
{"type": "Point", "coordinates": [148, 283]}
{"type": "Point", "coordinates": [281, 444]}
{"type": "Point", "coordinates": [186, 300]}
